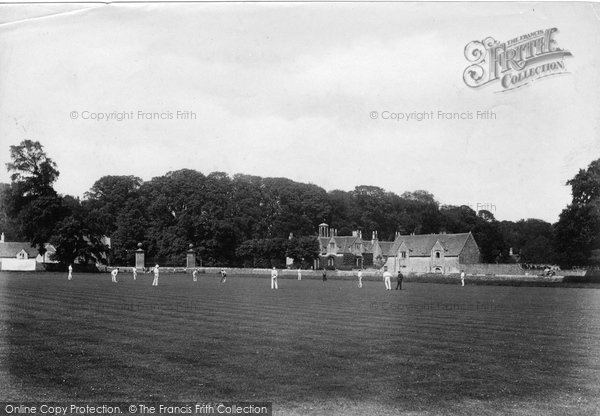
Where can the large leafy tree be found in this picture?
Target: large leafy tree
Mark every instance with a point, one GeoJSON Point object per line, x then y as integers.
{"type": "Point", "coordinates": [32, 200]}
{"type": "Point", "coordinates": [577, 232]}
{"type": "Point", "coordinates": [302, 249]}
{"type": "Point", "coordinates": [8, 224]}
{"type": "Point", "coordinates": [78, 236]}
{"type": "Point", "coordinates": [32, 169]}
{"type": "Point", "coordinates": [109, 196]}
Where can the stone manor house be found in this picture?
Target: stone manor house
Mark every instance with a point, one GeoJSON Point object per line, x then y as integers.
{"type": "Point", "coordinates": [425, 253]}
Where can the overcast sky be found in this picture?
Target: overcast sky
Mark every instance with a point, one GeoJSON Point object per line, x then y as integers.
{"type": "Point", "coordinates": [287, 90]}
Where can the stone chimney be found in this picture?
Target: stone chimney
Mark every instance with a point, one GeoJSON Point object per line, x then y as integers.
{"type": "Point", "coordinates": [373, 236]}
{"type": "Point", "coordinates": [323, 230]}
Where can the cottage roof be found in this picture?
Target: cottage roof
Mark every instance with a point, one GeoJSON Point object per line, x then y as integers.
{"type": "Point", "coordinates": [387, 248]}
{"type": "Point", "coordinates": [344, 243]}
{"type": "Point", "coordinates": [421, 245]}
{"type": "Point", "coordinates": [11, 249]}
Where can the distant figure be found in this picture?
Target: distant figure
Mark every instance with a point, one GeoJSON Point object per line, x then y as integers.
{"type": "Point", "coordinates": [113, 275]}
{"type": "Point", "coordinates": [223, 276]}
{"type": "Point", "coordinates": [400, 278]}
{"type": "Point", "coordinates": [387, 276]}
{"type": "Point", "coordinates": [360, 275]}
{"type": "Point", "coordinates": [299, 273]}
{"type": "Point", "coordinates": [134, 271]}
{"type": "Point", "coordinates": [195, 275]}
{"type": "Point", "coordinates": [274, 278]}
{"type": "Point", "coordinates": [324, 275]}
{"type": "Point", "coordinates": [156, 272]}
{"type": "Point", "coordinates": [462, 278]}
{"type": "Point", "coordinates": [70, 276]}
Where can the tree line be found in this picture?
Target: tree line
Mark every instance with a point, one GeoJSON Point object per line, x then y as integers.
{"type": "Point", "coordinates": [245, 220]}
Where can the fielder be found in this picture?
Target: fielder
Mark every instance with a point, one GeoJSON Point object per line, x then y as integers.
{"type": "Point", "coordinates": [134, 271]}
{"type": "Point", "coordinates": [195, 275]}
{"type": "Point", "coordinates": [113, 275]}
{"type": "Point", "coordinates": [359, 275]}
{"type": "Point", "coordinates": [274, 279]}
{"type": "Point", "coordinates": [387, 279]}
{"type": "Point", "coordinates": [299, 273]}
{"type": "Point", "coordinates": [156, 271]}
{"type": "Point", "coordinates": [70, 276]}
{"type": "Point", "coordinates": [223, 276]}
{"type": "Point", "coordinates": [462, 278]}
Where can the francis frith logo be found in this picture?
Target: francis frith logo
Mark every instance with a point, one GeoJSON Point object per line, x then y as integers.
{"type": "Point", "coordinates": [516, 62]}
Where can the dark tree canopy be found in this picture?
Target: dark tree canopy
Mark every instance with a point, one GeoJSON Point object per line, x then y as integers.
{"type": "Point", "coordinates": [247, 220]}
{"type": "Point", "coordinates": [577, 232]}
{"type": "Point", "coordinates": [32, 169]}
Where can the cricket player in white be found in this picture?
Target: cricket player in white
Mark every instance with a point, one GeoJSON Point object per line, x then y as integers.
{"type": "Point", "coordinates": [155, 281]}
{"type": "Point", "coordinates": [195, 275]}
{"type": "Point", "coordinates": [113, 274]}
{"type": "Point", "coordinates": [134, 271]}
{"type": "Point", "coordinates": [386, 278]}
{"type": "Point", "coordinates": [360, 278]}
{"type": "Point", "coordinates": [70, 272]}
{"type": "Point", "coordinates": [274, 278]}
{"type": "Point", "coordinates": [462, 278]}
{"type": "Point", "coordinates": [299, 274]}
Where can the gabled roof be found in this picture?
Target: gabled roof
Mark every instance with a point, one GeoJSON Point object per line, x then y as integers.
{"type": "Point", "coordinates": [344, 243]}
{"type": "Point", "coordinates": [10, 250]}
{"type": "Point", "coordinates": [387, 248]}
{"type": "Point", "coordinates": [421, 245]}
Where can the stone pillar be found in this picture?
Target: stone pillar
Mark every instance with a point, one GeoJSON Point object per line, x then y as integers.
{"type": "Point", "coordinates": [140, 257]}
{"type": "Point", "coordinates": [191, 257]}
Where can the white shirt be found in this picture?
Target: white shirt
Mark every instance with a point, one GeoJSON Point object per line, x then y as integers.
{"type": "Point", "coordinates": [114, 272]}
{"type": "Point", "coordinates": [387, 275]}
{"type": "Point", "coordinates": [156, 271]}
{"type": "Point", "coordinates": [273, 274]}
{"type": "Point", "coordinates": [360, 275]}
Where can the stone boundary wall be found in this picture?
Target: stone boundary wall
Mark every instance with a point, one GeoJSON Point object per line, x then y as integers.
{"type": "Point", "coordinates": [370, 274]}
{"type": "Point", "coordinates": [495, 269]}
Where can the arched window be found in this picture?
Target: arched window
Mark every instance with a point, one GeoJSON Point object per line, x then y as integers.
{"type": "Point", "coordinates": [438, 254]}
{"type": "Point", "coordinates": [437, 270]}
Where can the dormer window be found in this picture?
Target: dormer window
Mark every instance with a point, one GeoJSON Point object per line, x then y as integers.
{"type": "Point", "coordinates": [331, 246]}
{"type": "Point", "coordinates": [403, 254]}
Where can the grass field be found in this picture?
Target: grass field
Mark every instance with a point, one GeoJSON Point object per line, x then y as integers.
{"type": "Point", "coordinates": [310, 348]}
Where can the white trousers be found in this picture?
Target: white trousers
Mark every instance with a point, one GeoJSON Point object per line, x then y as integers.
{"type": "Point", "coordinates": [388, 283]}
{"type": "Point", "coordinates": [274, 283]}
{"type": "Point", "coordinates": [155, 281]}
